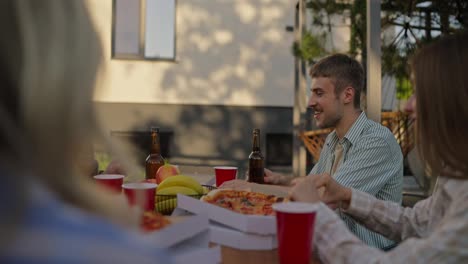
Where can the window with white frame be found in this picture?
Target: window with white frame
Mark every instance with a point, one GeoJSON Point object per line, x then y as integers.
{"type": "Point", "coordinates": [143, 29]}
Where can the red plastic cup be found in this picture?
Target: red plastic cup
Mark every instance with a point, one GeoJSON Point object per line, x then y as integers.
{"type": "Point", "coordinates": [141, 194]}
{"type": "Point", "coordinates": [295, 228]}
{"type": "Point", "coordinates": [224, 173]}
{"type": "Point", "coordinates": [112, 181]}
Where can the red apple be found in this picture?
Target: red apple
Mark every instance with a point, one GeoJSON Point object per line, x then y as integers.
{"type": "Point", "coordinates": [165, 171]}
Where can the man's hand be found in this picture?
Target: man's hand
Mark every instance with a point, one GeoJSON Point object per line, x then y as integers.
{"type": "Point", "coordinates": [275, 178]}
{"type": "Point", "coordinates": [297, 180]}
{"type": "Point", "coordinates": [331, 192]}
{"type": "Point", "coordinates": [321, 187]}
{"type": "Point", "coordinates": [304, 191]}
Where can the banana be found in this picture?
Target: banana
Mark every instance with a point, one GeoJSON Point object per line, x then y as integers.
{"type": "Point", "coordinates": [171, 192]}
{"type": "Point", "coordinates": [174, 190]}
{"type": "Point", "coordinates": [166, 207]}
{"type": "Point", "coordinates": [180, 180]}
{"type": "Point", "coordinates": [205, 190]}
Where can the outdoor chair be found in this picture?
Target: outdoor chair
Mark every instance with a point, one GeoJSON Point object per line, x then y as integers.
{"type": "Point", "coordinates": [398, 123]}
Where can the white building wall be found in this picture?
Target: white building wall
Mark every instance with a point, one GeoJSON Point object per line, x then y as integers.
{"type": "Point", "coordinates": [229, 52]}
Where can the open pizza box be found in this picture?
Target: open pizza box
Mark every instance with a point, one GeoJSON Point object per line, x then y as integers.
{"type": "Point", "coordinates": [190, 230]}
{"type": "Point", "coordinates": [255, 224]}
{"type": "Point", "coordinates": [187, 239]}
{"type": "Point", "coordinates": [226, 236]}
{"type": "Point", "coordinates": [196, 250]}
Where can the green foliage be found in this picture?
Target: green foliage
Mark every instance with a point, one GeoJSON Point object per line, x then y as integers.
{"type": "Point", "coordinates": [403, 87]}
{"type": "Point", "coordinates": [357, 42]}
{"type": "Point", "coordinates": [395, 62]}
{"type": "Point", "coordinates": [447, 16]}
{"type": "Point", "coordinates": [103, 160]}
{"type": "Point", "coordinates": [309, 48]}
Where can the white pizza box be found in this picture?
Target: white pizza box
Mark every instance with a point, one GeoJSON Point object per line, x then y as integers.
{"type": "Point", "coordinates": [256, 224]}
{"type": "Point", "coordinates": [226, 236]}
{"type": "Point", "coordinates": [184, 231]}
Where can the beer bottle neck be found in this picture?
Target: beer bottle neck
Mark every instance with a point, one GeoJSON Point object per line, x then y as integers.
{"type": "Point", "coordinates": [256, 143]}
{"type": "Point", "coordinates": [155, 145]}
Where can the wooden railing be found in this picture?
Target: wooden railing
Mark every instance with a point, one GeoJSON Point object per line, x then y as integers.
{"type": "Point", "coordinates": [398, 122]}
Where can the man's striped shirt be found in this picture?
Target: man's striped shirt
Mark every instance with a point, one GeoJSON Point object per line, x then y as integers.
{"type": "Point", "coordinates": [372, 162]}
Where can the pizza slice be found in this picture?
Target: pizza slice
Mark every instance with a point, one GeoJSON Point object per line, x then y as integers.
{"type": "Point", "coordinates": [243, 202]}
{"type": "Point", "coordinates": [152, 221]}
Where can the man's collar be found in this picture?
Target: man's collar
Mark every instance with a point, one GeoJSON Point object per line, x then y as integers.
{"type": "Point", "coordinates": [353, 133]}
{"type": "Point", "coordinates": [332, 139]}
{"type": "Point", "coordinates": [356, 129]}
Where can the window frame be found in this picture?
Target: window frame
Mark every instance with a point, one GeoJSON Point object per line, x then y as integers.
{"type": "Point", "coordinates": [142, 36]}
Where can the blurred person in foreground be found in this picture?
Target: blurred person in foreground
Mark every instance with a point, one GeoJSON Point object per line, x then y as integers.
{"type": "Point", "coordinates": [435, 230]}
{"type": "Point", "coordinates": [49, 56]}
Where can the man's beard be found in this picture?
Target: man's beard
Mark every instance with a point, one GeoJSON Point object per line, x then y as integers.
{"type": "Point", "coordinates": [330, 122]}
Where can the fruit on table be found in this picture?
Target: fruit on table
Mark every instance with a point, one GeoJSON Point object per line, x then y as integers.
{"type": "Point", "coordinates": [171, 192]}
{"type": "Point", "coordinates": [166, 206]}
{"type": "Point", "coordinates": [177, 189]}
{"type": "Point", "coordinates": [180, 181]}
{"type": "Point", "coordinates": [167, 190]}
{"type": "Point", "coordinates": [165, 171]}
{"type": "Point", "coordinates": [205, 190]}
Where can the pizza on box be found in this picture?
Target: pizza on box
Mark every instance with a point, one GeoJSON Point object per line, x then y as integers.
{"type": "Point", "coordinates": [152, 221]}
{"type": "Point", "coordinates": [244, 202]}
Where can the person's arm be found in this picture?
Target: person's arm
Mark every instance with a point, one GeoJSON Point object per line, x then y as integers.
{"type": "Point", "coordinates": [447, 244]}
{"type": "Point", "coordinates": [276, 178]}
{"type": "Point", "coordinates": [384, 217]}
{"type": "Point", "coordinates": [388, 218]}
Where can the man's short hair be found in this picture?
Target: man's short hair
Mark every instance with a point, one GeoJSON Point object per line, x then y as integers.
{"type": "Point", "coordinates": [343, 71]}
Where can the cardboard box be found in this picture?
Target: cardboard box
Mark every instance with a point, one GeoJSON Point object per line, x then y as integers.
{"type": "Point", "coordinates": [223, 235]}
{"type": "Point", "coordinates": [198, 255]}
{"type": "Point", "coordinates": [188, 230]}
{"type": "Point", "coordinates": [256, 224]}
{"type": "Point", "coordinates": [187, 239]}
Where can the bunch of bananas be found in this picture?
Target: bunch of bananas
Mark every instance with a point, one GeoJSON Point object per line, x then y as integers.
{"type": "Point", "coordinates": [167, 190]}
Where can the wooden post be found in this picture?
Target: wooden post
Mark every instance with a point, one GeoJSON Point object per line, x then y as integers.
{"type": "Point", "coordinates": [374, 67]}
{"type": "Point", "coordinates": [300, 95]}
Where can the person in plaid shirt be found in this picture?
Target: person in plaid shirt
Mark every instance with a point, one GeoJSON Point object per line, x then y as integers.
{"type": "Point", "coordinates": [435, 230]}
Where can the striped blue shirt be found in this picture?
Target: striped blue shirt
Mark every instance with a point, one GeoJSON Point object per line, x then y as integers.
{"type": "Point", "coordinates": [372, 162]}
{"type": "Point", "coordinates": [54, 232]}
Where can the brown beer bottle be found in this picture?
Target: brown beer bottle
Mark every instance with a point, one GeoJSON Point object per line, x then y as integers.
{"type": "Point", "coordinates": [154, 159]}
{"type": "Point", "coordinates": [256, 159]}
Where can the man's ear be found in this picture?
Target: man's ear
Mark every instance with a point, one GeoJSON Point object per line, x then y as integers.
{"type": "Point", "coordinates": [348, 95]}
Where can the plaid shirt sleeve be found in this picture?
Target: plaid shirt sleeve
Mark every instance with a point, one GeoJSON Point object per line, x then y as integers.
{"type": "Point", "coordinates": [390, 219]}
{"type": "Point", "coordinates": [448, 243]}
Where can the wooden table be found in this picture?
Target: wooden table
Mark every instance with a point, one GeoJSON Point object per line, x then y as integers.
{"type": "Point", "coordinates": [236, 256]}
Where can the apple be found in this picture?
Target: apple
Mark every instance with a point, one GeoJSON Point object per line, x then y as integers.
{"type": "Point", "coordinates": [165, 171]}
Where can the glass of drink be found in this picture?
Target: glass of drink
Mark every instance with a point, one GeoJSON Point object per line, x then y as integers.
{"type": "Point", "coordinates": [224, 173]}
{"type": "Point", "coordinates": [295, 228]}
{"type": "Point", "coordinates": [111, 181]}
{"type": "Point", "coordinates": [141, 194]}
